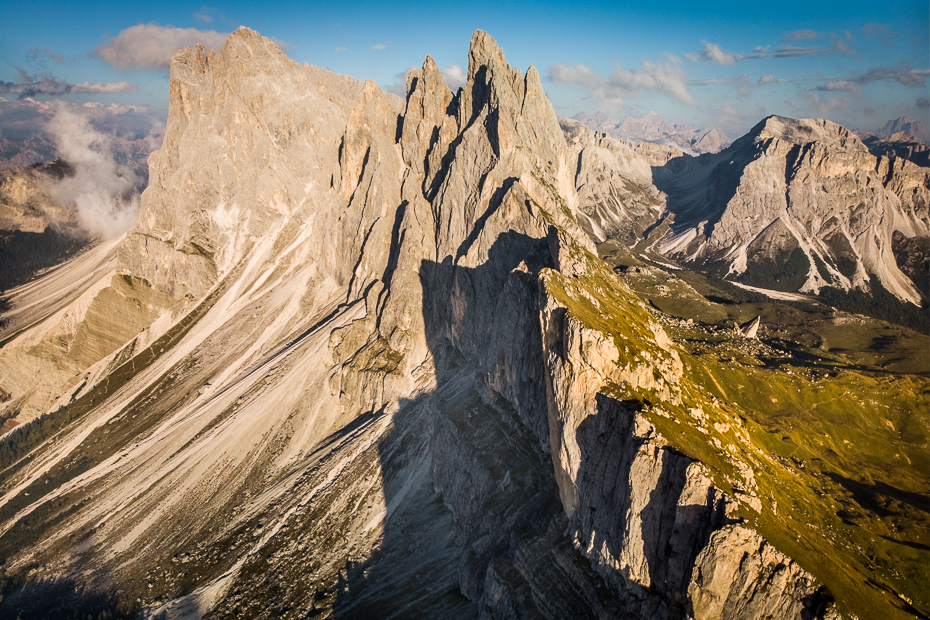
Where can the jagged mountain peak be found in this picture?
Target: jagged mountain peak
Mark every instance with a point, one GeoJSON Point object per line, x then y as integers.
{"type": "Point", "coordinates": [483, 50]}
{"type": "Point", "coordinates": [903, 123]}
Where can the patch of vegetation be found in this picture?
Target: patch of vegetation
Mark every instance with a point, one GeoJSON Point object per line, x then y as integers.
{"type": "Point", "coordinates": [26, 598]}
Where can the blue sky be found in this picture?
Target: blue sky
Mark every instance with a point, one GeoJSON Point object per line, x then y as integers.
{"type": "Point", "coordinates": [729, 65]}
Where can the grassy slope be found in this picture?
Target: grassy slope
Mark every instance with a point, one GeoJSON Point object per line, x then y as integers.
{"type": "Point", "coordinates": [838, 457]}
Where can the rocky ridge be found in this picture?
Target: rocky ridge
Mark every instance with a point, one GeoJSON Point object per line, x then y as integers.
{"type": "Point", "coordinates": [358, 354]}
{"type": "Point", "coordinates": [903, 123]}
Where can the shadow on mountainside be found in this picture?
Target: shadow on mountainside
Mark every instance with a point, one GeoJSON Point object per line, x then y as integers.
{"type": "Point", "coordinates": [60, 598]}
{"type": "Point", "coordinates": [465, 475]}
{"type": "Point", "coordinates": [474, 522]}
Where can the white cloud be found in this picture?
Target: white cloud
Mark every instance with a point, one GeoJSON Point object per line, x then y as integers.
{"type": "Point", "coordinates": [134, 130]}
{"type": "Point", "coordinates": [454, 76]}
{"type": "Point", "coordinates": [768, 78]}
{"type": "Point", "coordinates": [150, 46]}
{"type": "Point", "coordinates": [379, 46]}
{"type": "Point", "coordinates": [827, 107]}
{"type": "Point", "coordinates": [206, 14]}
{"type": "Point", "coordinates": [101, 190]}
{"type": "Point", "coordinates": [31, 86]}
{"type": "Point", "coordinates": [711, 52]}
{"type": "Point", "coordinates": [666, 78]}
{"type": "Point", "coordinates": [841, 86]}
{"type": "Point", "coordinates": [605, 98]}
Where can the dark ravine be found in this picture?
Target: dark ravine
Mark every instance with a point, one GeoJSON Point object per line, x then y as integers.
{"type": "Point", "coordinates": [413, 392]}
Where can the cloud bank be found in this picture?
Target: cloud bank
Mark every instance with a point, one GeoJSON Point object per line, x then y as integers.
{"type": "Point", "coordinates": [104, 193]}
{"type": "Point", "coordinates": [32, 86]}
{"type": "Point", "coordinates": [150, 46]}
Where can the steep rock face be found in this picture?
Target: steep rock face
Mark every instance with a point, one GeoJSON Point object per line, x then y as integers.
{"type": "Point", "coordinates": [344, 400]}
{"type": "Point", "coordinates": [798, 205]}
{"type": "Point", "coordinates": [266, 152]}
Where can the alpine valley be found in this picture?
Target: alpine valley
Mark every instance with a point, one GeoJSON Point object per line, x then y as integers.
{"type": "Point", "coordinates": [450, 356]}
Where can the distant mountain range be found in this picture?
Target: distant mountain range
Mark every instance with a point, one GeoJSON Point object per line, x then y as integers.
{"type": "Point", "coordinates": [653, 128]}
{"type": "Point", "coordinates": [902, 123]}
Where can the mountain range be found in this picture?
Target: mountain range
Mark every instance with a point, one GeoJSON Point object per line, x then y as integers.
{"type": "Point", "coordinates": [364, 357]}
{"type": "Point", "coordinates": [653, 128]}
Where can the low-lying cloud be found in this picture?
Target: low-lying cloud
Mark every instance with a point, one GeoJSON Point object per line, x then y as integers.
{"type": "Point", "coordinates": [32, 86]}
{"type": "Point", "coordinates": [150, 46]}
{"type": "Point", "coordinates": [104, 193]}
